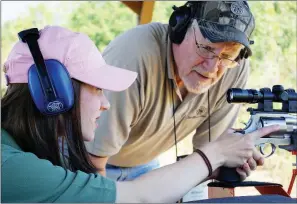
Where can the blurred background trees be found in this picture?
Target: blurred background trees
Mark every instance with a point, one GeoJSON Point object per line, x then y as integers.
{"type": "Point", "coordinates": [273, 61]}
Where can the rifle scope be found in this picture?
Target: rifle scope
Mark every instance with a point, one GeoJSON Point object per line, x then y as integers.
{"type": "Point", "coordinates": [278, 94]}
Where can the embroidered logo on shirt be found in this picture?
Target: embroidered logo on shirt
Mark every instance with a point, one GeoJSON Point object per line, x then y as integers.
{"type": "Point", "coordinates": [200, 112]}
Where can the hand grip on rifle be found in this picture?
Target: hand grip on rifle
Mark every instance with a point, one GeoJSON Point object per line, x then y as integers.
{"type": "Point", "coordinates": [229, 175]}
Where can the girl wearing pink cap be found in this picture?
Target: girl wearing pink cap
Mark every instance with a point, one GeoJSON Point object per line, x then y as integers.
{"type": "Point", "coordinates": [43, 156]}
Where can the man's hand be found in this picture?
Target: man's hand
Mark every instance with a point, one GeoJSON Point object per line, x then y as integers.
{"type": "Point", "coordinates": [250, 165]}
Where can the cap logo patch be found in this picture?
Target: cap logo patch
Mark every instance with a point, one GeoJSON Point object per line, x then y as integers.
{"type": "Point", "coordinates": [237, 8]}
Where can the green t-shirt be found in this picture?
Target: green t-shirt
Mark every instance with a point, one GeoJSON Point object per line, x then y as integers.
{"type": "Point", "coordinates": [26, 178]}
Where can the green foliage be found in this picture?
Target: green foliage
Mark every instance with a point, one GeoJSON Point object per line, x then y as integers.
{"type": "Point", "coordinates": [163, 10]}
{"type": "Point", "coordinates": [38, 16]}
{"type": "Point", "coordinates": [274, 51]}
{"type": "Point", "coordinates": [102, 21]}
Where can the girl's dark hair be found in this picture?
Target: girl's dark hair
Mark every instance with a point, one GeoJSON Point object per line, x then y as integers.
{"type": "Point", "coordinates": [41, 134]}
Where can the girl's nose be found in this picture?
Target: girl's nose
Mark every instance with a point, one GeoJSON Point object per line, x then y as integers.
{"type": "Point", "coordinates": [104, 102]}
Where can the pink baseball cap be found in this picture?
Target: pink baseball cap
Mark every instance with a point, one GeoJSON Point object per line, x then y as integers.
{"type": "Point", "coordinates": [77, 52]}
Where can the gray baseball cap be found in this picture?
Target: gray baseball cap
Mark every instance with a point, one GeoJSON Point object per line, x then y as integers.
{"type": "Point", "coordinates": [225, 21]}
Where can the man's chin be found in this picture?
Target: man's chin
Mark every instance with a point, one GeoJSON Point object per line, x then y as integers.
{"type": "Point", "coordinates": [195, 88]}
{"type": "Point", "coordinates": [198, 90]}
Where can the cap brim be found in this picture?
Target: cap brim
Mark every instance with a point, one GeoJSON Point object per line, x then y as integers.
{"type": "Point", "coordinates": [111, 78]}
{"type": "Point", "coordinates": [223, 33]}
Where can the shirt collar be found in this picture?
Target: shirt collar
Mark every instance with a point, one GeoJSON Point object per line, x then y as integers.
{"type": "Point", "coordinates": [171, 66]}
{"type": "Point", "coordinates": [170, 60]}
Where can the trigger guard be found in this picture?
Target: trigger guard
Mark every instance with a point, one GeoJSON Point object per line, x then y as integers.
{"type": "Point", "coordinates": [272, 151]}
{"type": "Point", "coordinates": [261, 150]}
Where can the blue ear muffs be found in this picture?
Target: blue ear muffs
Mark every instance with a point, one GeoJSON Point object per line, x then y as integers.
{"type": "Point", "coordinates": [62, 86]}
{"type": "Point", "coordinates": [49, 82]}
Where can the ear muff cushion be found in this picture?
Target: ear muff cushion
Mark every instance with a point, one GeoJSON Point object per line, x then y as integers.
{"type": "Point", "coordinates": [178, 24]}
{"type": "Point", "coordinates": [62, 84]}
{"type": "Point", "coordinates": [173, 20]}
{"type": "Point", "coordinates": [243, 53]}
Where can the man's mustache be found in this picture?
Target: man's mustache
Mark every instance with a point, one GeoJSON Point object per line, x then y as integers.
{"type": "Point", "coordinates": [198, 69]}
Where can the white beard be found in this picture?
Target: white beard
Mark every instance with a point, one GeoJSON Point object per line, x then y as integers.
{"type": "Point", "coordinates": [195, 88]}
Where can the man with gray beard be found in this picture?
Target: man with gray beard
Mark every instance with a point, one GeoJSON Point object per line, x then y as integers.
{"type": "Point", "coordinates": [184, 70]}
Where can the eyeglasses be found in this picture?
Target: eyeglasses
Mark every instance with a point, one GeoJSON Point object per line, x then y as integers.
{"type": "Point", "coordinates": [206, 52]}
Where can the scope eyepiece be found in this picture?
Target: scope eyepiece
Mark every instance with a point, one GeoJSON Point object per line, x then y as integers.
{"type": "Point", "coordinates": [278, 94]}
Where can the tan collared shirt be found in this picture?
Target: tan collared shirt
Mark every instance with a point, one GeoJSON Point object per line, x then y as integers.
{"type": "Point", "coordinates": [139, 125]}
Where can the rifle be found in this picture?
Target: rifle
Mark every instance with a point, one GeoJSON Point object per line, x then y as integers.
{"type": "Point", "coordinates": [265, 115]}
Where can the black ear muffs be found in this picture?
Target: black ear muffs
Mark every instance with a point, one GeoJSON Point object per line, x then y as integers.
{"type": "Point", "coordinates": [49, 82]}
{"type": "Point", "coordinates": [178, 23]}
{"type": "Point", "coordinates": [181, 19]}
{"type": "Point", "coordinates": [244, 53]}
